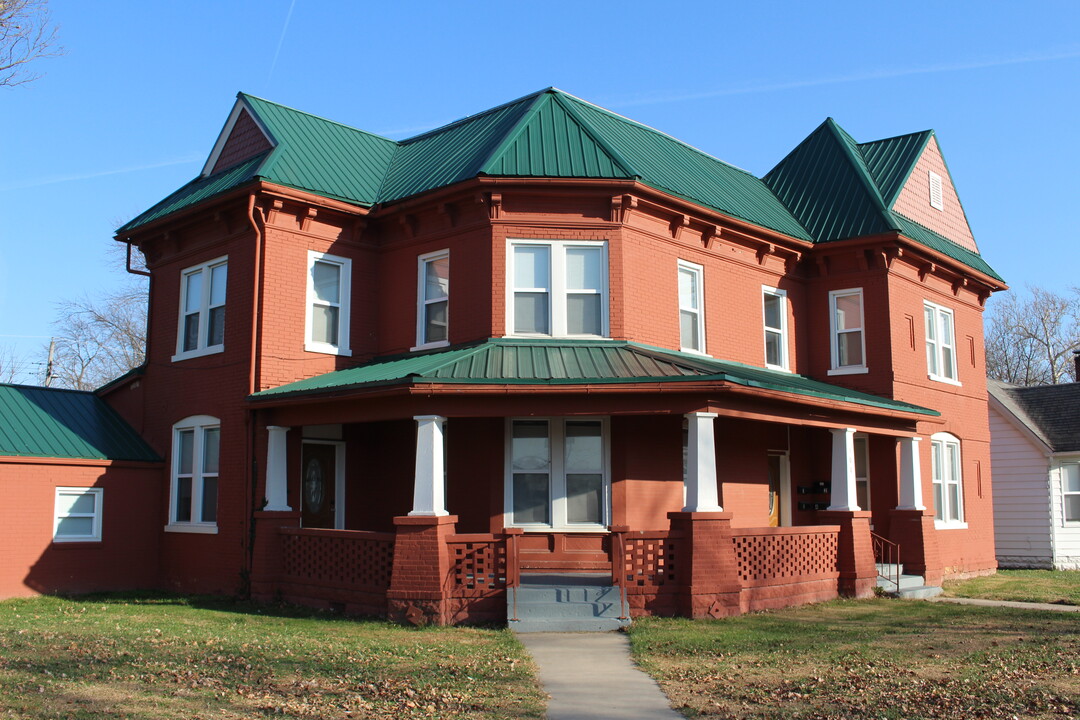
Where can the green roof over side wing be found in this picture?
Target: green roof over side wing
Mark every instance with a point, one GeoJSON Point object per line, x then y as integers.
{"type": "Point", "coordinates": [49, 423]}
{"type": "Point", "coordinates": [569, 362]}
{"type": "Point", "coordinates": [891, 161]}
{"type": "Point", "coordinates": [320, 155]}
{"type": "Point", "coordinates": [943, 245]}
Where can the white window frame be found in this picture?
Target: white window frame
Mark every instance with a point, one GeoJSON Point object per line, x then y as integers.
{"type": "Point", "coordinates": [782, 331]}
{"type": "Point", "coordinates": [345, 297]}
{"type": "Point", "coordinates": [198, 425]}
{"type": "Point", "coordinates": [58, 514]}
{"type": "Point", "coordinates": [939, 463]}
{"type": "Point", "coordinates": [1066, 493]}
{"type": "Point", "coordinates": [557, 476]}
{"type": "Point", "coordinates": [935, 344]}
{"type": "Point", "coordinates": [836, 368]}
{"type": "Point", "coordinates": [937, 195]}
{"type": "Point", "coordinates": [422, 301]}
{"type": "Point", "coordinates": [557, 291]}
{"type": "Point", "coordinates": [698, 273]}
{"type": "Point", "coordinates": [201, 347]}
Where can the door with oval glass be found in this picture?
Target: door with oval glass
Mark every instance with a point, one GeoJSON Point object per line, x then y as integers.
{"type": "Point", "coordinates": [319, 485]}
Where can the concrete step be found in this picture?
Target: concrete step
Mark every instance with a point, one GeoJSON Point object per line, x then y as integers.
{"type": "Point", "coordinates": [889, 570]}
{"type": "Point", "coordinates": [566, 610]}
{"type": "Point", "coordinates": [555, 625]}
{"type": "Point", "coordinates": [921, 592]}
{"type": "Point", "coordinates": [566, 603]}
{"type": "Point", "coordinates": [579, 594]}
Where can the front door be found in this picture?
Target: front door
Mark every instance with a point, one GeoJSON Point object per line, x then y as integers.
{"type": "Point", "coordinates": [318, 493]}
{"type": "Point", "coordinates": [779, 491]}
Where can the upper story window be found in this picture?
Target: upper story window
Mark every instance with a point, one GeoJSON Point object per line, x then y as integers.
{"type": "Point", "coordinates": [77, 515]}
{"type": "Point", "coordinates": [557, 288]}
{"type": "Point", "coordinates": [194, 491]}
{"type": "Point", "coordinates": [775, 317]}
{"type": "Point", "coordinates": [691, 308]}
{"type": "Point", "coordinates": [940, 343]}
{"type": "Point", "coordinates": [433, 301]}
{"type": "Point", "coordinates": [937, 200]}
{"type": "Point", "coordinates": [846, 326]}
{"type": "Point", "coordinates": [202, 309]}
{"type": "Point", "coordinates": [328, 282]}
{"type": "Point", "coordinates": [1070, 491]}
{"type": "Point", "coordinates": [948, 482]}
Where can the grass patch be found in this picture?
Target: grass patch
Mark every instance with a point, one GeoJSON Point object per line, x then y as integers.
{"type": "Point", "coordinates": [882, 659]}
{"type": "Point", "coordinates": [174, 658]}
{"type": "Point", "coordinates": [1061, 587]}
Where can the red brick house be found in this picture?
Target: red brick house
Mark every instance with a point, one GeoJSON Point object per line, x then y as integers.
{"type": "Point", "coordinates": [399, 377]}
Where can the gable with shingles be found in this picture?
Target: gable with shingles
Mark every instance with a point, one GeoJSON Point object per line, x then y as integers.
{"type": "Point", "coordinates": [913, 200]}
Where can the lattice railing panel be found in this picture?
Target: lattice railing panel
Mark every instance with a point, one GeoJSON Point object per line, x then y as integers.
{"type": "Point", "coordinates": [343, 559]}
{"type": "Point", "coordinates": [651, 561]}
{"type": "Point", "coordinates": [478, 567]}
{"type": "Point", "coordinates": [787, 555]}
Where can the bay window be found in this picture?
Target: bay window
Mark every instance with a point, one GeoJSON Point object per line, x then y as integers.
{"type": "Point", "coordinates": [557, 288]}
{"type": "Point", "coordinates": [846, 325]}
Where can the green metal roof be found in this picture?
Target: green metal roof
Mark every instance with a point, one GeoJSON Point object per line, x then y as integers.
{"type": "Point", "coordinates": [44, 422]}
{"type": "Point", "coordinates": [569, 362]}
{"type": "Point", "coordinates": [828, 188]}
{"type": "Point", "coordinates": [943, 245]}
{"type": "Point", "coordinates": [891, 161]}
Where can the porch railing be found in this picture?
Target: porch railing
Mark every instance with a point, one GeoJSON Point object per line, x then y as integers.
{"type": "Point", "coordinates": [343, 559]}
{"type": "Point", "coordinates": [797, 554]}
{"type": "Point", "coordinates": [648, 559]}
{"type": "Point", "coordinates": [887, 559]}
{"type": "Point", "coordinates": [478, 565]}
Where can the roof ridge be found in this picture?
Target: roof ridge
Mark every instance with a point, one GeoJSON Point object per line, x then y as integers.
{"type": "Point", "coordinates": [47, 389]}
{"type": "Point", "coordinates": [318, 117]}
{"type": "Point", "coordinates": [902, 182]}
{"type": "Point", "coordinates": [597, 137]}
{"type": "Point", "coordinates": [929, 131]}
{"type": "Point", "coordinates": [470, 118]}
{"type": "Point", "coordinates": [858, 163]}
{"type": "Point", "coordinates": [651, 129]}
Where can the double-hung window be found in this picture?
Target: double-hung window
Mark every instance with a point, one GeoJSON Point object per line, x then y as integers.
{"type": "Point", "coordinates": [940, 343]}
{"type": "Point", "coordinates": [328, 282]}
{"type": "Point", "coordinates": [77, 515]}
{"type": "Point", "coordinates": [194, 492]}
{"type": "Point", "coordinates": [846, 326]}
{"type": "Point", "coordinates": [691, 308]}
{"type": "Point", "coordinates": [557, 288]}
{"type": "Point", "coordinates": [433, 301]}
{"type": "Point", "coordinates": [775, 316]}
{"type": "Point", "coordinates": [202, 309]}
{"type": "Point", "coordinates": [1070, 491]}
{"type": "Point", "coordinates": [948, 482]}
{"type": "Point", "coordinates": [557, 473]}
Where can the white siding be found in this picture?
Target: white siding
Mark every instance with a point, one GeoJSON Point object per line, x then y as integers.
{"type": "Point", "coordinates": [1022, 525]}
{"type": "Point", "coordinates": [1066, 535]}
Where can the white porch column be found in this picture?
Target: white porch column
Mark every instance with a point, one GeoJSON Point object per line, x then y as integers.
{"type": "Point", "coordinates": [701, 489]}
{"type": "Point", "coordinates": [277, 485]}
{"type": "Point", "coordinates": [429, 497]}
{"type": "Point", "coordinates": [910, 475]}
{"type": "Point", "coordinates": [843, 470]}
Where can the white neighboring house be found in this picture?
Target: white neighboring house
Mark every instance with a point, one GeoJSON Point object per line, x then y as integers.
{"type": "Point", "coordinates": [1035, 455]}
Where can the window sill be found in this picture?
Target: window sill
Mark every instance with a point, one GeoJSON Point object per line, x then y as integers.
{"type": "Point", "coordinates": [861, 370]}
{"type": "Point", "coordinates": [87, 540]}
{"type": "Point", "coordinates": [431, 345]}
{"type": "Point", "coordinates": [691, 351]}
{"type": "Point", "coordinates": [326, 349]}
{"type": "Point", "coordinates": [573, 529]}
{"type": "Point", "coordinates": [779, 368]}
{"type": "Point", "coordinates": [191, 528]}
{"type": "Point", "coordinates": [201, 352]}
{"type": "Point", "coordinates": [950, 525]}
{"type": "Point", "coordinates": [943, 379]}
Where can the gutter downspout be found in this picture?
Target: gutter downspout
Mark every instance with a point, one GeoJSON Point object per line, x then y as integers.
{"type": "Point", "coordinates": [258, 224]}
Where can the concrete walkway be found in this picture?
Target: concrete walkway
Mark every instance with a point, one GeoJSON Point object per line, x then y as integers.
{"type": "Point", "coordinates": [590, 676]}
{"type": "Point", "coordinates": [1007, 603]}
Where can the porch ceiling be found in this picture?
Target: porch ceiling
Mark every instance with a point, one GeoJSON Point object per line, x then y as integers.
{"type": "Point", "coordinates": [563, 364]}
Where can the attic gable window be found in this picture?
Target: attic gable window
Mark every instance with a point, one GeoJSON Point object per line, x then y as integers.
{"type": "Point", "coordinates": [936, 200]}
{"type": "Point", "coordinates": [201, 328]}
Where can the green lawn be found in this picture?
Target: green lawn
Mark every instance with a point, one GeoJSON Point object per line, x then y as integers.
{"type": "Point", "coordinates": [180, 658]}
{"type": "Point", "coordinates": [868, 659]}
{"type": "Point", "coordinates": [1061, 587]}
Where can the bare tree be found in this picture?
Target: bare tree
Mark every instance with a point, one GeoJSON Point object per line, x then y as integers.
{"type": "Point", "coordinates": [1030, 338]}
{"type": "Point", "coordinates": [100, 339]}
{"type": "Point", "coordinates": [12, 366]}
{"type": "Point", "coordinates": [26, 34]}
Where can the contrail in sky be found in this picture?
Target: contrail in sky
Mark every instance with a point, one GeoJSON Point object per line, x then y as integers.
{"type": "Point", "coordinates": [1068, 54]}
{"type": "Point", "coordinates": [280, 42]}
{"type": "Point", "coordinates": [54, 179]}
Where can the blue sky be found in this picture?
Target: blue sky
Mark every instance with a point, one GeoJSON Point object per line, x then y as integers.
{"type": "Point", "coordinates": [132, 109]}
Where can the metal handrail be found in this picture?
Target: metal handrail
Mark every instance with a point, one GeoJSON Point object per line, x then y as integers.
{"type": "Point", "coordinates": [618, 565]}
{"type": "Point", "coordinates": [886, 552]}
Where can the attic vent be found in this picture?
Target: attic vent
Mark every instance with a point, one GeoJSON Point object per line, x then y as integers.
{"type": "Point", "coordinates": [935, 191]}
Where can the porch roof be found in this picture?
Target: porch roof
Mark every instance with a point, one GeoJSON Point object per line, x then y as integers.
{"type": "Point", "coordinates": [511, 361]}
